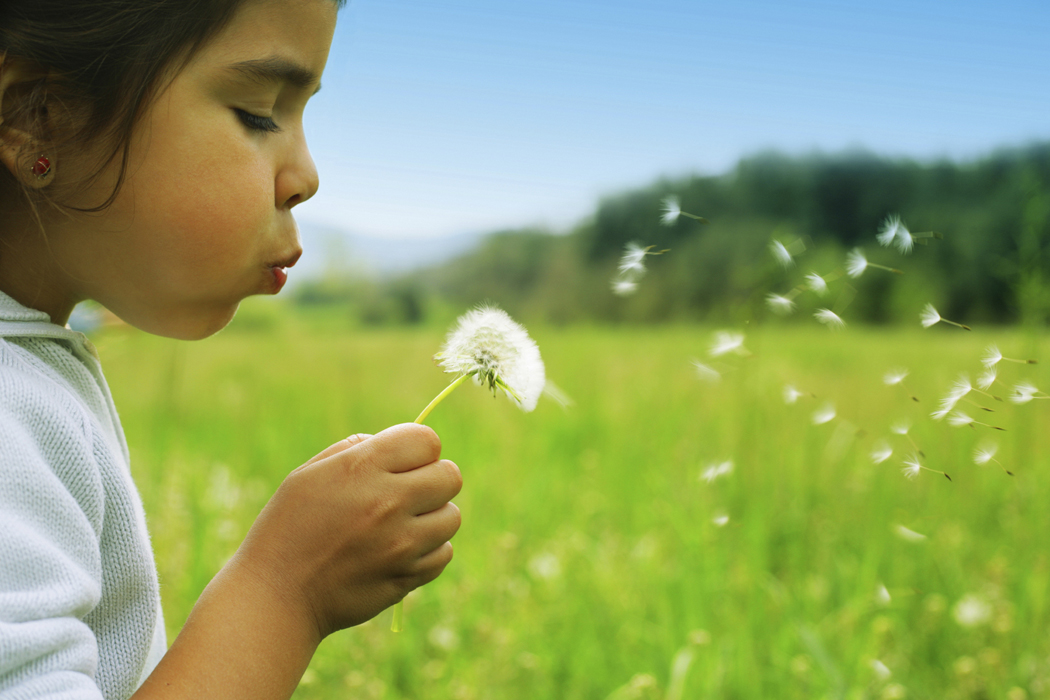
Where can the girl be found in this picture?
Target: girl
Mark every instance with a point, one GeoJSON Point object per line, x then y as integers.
{"type": "Point", "coordinates": [152, 153]}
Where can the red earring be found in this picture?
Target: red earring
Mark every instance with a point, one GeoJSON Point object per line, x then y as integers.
{"type": "Point", "coordinates": [42, 167]}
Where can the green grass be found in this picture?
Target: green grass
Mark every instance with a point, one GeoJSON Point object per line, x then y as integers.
{"type": "Point", "coordinates": [588, 558]}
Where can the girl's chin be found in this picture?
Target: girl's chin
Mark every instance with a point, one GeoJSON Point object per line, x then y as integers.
{"type": "Point", "coordinates": [189, 324]}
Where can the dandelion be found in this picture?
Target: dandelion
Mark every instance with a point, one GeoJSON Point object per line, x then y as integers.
{"type": "Point", "coordinates": [673, 209]}
{"type": "Point", "coordinates": [633, 260]}
{"type": "Point", "coordinates": [728, 342]}
{"type": "Point", "coordinates": [983, 454]}
{"type": "Point", "coordinates": [962, 387]}
{"type": "Point", "coordinates": [829, 318]}
{"type": "Point", "coordinates": [716, 470]}
{"type": "Point", "coordinates": [958, 419]}
{"type": "Point", "coordinates": [986, 378]}
{"type": "Point", "coordinates": [624, 287]}
{"type": "Point", "coordinates": [706, 372]}
{"type": "Point", "coordinates": [488, 346]}
{"type": "Point", "coordinates": [824, 414]}
{"type": "Point", "coordinates": [912, 468]}
{"type": "Point", "coordinates": [992, 357]}
{"type": "Point", "coordinates": [896, 377]}
{"type": "Point", "coordinates": [817, 283]}
{"type": "Point", "coordinates": [780, 304]}
{"type": "Point", "coordinates": [856, 264]}
{"type": "Point", "coordinates": [894, 232]}
{"type": "Point", "coordinates": [901, 428]}
{"type": "Point", "coordinates": [929, 317]}
{"type": "Point", "coordinates": [881, 452]}
{"type": "Point", "coordinates": [781, 254]}
{"type": "Point", "coordinates": [1025, 392]}
{"type": "Point", "coordinates": [907, 534]}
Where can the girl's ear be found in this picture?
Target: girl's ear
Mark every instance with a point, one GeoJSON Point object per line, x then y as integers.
{"type": "Point", "coordinates": [18, 147]}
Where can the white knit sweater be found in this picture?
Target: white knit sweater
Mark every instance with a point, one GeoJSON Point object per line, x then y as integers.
{"type": "Point", "coordinates": [79, 602]}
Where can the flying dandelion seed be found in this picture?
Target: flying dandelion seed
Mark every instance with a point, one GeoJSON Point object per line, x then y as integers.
{"type": "Point", "coordinates": [856, 264]}
{"type": "Point", "coordinates": [633, 260]}
{"type": "Point", "coordinates": [881, 452]}
{"type": "Point", "coordinates": [624, 288]}
{"type": "Point", "coordinates": [986, 378]}
{"type": "Point", "coordinates": [929, 317]}
{"type": "Point", "coordinates": [817, 283]}
{"type": "Point", "coordinates": [672, 210]}
{"type": "Point", "coordinates": [792, 395]}
{"type": "Point", "coordinates": [992, 357]}
{"type": "Point", "coordinates": [829, 318]}
{"type": "Point", "coordinates": [488, 346]}
{"type": "Point", "coordinates": [896, 377]}
{"type": "Point", "coordinates": [717, 470]}
{"type": "Point", "coordinates": [962, 387]}
{"type": "Point", "coordinates": [720, 520]}
{"type": "Point", "coordinates": [888, 231]}
{"type": "Point", "coordinates": [706, 372]}
{"type": "Point", "coordinates": [900, 427]}
{"type": "Point", "coordinates": [912, 468]}
{"type": "Point", "coordinates": [882, 595]}
{"type": "Point", "coordinates": [781, 254]}
{"type": "Point", "coordinates": [907, 534]}
{"type": "Point", "coordinates": [881, 671]}
{"type": "Point", "coordinates": [823, 415]}
{"type": "Point", "coordinates": [1025, 392]}
{"type": "Point", "coordinates": [728, 342]}
{"type": "Point", "coordinates": [985, 453]}
{"type": "Point", "coordinates": [780, 304]}
{"type": "Point", "coordinates": [958, 419]}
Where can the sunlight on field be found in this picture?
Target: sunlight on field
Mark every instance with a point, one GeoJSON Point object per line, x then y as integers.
{"type": "Point", "coordinates": [595, 561]}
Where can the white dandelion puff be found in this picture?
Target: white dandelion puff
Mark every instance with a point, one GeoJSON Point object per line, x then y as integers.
{"type": "Point", "coordinates": [671, 211]}
{"type": "Point", "coordinates": [992, 357]}
{"type": "Point", "coordinates": [856, 263]}
{"type": "Point", "coordinates": [894, 376]}
{"type": "Point", "coordinates": [983, 454]}
{"type": "Point", "coordinates": [780, 304]}
{"type": "Point", "coordinates": [829, 318]}
{"type": "Point", "coordinates": [958, 419]}
{"type": "Point", "coordinates": [791, 394]}
{"type": "Point", "coordinates": [489, 346]}
{"type": "Point", "coordinates": [929, 317]}
{"type": "Point", "coordinates": [900, 427]}
{"type": "Point", "coordinates": [624, 287]}
{"type": "Point", "coordinates": [633, 260]}
{"type": "Point", "coordinates": [881, 452]}
{"type": "Point", "coordinates": [888, 231]}
{"type": "Point", "coordinates": [1026, 391]}
{"type": "Point", "coordinates": [911, 468]}
{"type": "Point", "coordinates": [706, 372]}
{"type": "Point", "coordinates": [817, 283]}
{"type": "Point", "coordinates": [781, 254]}
{"type": "Point", "coordinates": [727, 342]}
{"type": "Point", "coordinates": [908, 534]}
{"type": "Point", "coordinates": [986, 378]}
{"type": "Point", "coordinates": [961, 387]}
{"type": "Point", "coordinates": [720, 520]}
{"type": "Point", "coordinates": [824, 414]}
{"type": "Point", "coordinates": [715, 471]}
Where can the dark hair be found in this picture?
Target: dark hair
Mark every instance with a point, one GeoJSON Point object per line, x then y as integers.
{"type": "Point", "coordinates": [105, 61]}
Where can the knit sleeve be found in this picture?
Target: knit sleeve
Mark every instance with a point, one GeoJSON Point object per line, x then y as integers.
{"type": "Point", "coordinates": [51, 514]}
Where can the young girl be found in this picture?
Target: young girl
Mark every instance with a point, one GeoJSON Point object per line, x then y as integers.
{"type": "Point", "coordinates": [152, 153]}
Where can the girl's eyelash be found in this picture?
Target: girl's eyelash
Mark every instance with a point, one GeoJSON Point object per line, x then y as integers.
{"type": "Point", "coordinates": [257, 123]}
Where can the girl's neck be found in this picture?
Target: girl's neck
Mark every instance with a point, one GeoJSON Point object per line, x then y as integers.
{"type": "Point", "coordinates": [28, 273]}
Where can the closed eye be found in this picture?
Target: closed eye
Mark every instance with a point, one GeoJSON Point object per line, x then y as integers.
{"type": "Point", "coordinates": [257, 123]}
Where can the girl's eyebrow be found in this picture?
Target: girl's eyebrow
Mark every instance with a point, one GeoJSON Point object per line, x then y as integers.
{"type": "Point", "coordinates": [275, 69]}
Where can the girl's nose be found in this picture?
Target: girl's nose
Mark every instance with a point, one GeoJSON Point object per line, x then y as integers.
{"type": "Point", "coordinates": [298, 180]}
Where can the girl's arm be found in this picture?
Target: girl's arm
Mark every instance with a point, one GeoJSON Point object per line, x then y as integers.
{"type": "Point", "coordinates": [347, 535]}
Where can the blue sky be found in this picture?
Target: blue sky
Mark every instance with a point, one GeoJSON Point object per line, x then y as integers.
{"type": "Point", "coordinates": [459, 116]}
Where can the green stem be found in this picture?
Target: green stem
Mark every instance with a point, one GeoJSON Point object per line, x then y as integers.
{"type": "Point", "coordinates": [398, 623]}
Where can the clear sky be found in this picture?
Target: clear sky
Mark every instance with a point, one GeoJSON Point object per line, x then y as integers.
{"type": "Point", "coordinates": [442, 117]}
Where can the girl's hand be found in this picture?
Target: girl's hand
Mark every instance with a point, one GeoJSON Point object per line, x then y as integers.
{"type": "Point", "coordinates": [356, 528]}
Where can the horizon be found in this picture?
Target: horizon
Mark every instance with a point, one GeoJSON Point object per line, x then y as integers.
{"type": "Point", "coordinates": [473, 117]}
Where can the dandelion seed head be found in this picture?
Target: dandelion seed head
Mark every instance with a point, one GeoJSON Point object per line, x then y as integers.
{"type": "Point", "coordinates": [881, 452]}
{"type": "Point", "coordinates": [727, 342]}
{"type": "Point", "coordinates": [791, 394]}
{"type": "Point", "coordinates": [856, 263]}
{"type": "Point", "coordinates": [671, 211]}
{"type": "Point", "coordinates": [829, 318]}
{"type": "Point", "coordinates": [983, 454]}
{"type": "Point", "coordinates": [929, 316]}
{"type": "Point", "coordinates": [904, 240]}
{"type": "Point", "coordinates": [624, 287]}
{"type": "Point", "coordinates": [911, 468]}
{"type": "Point", "coordinates": [961, 387]}
{"type": "Point", "coordinates": [986, 378]}
{"type": "Point", "coordinates": [633, 260]}
{"type": "Point", "coordinates": [780, 304]}
{"type": "Point", "coordinates": [824, 414]}
{"type": "Point", "coordinates": [907, 534]}
{"type": "Point", "coordinates": [781, 254]}
{"type": "Point", "coordinates": [888, 230]}
{"type": "Point", "coordinates": [957, 419]}
{"type": "Point", "coordinates": [491, 347]}
{"type": "Point", "coordinates": [706, 372]}
{"type": "Point", "coordinates": [817, 283]}
{"type": "Point", "coordinates": [894, 376]}
{"type": "Point", "coordinates": [992, 356]}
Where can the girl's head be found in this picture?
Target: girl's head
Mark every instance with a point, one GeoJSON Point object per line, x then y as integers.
{"type": "Point", "coordinates": [174, 133]}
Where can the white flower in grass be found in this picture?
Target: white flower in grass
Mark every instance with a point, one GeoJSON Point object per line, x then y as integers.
{"type": "Point", "coordinates": [727, 342]}
{"type": "Point", "coordinates": [781, 254]}
{"type": "Point", "coordinates": [929, 316]}
{"type": "Point", "coordinates": [489, 346]}
{"type": "Point", "coordinates": [706, 372]}
{"type": "Point", "coordinates": [911, 468]}
{"type": "Point", "coordinates": [817, 283]}
{"type": "Point", "coordinates": [780, 304]}
{"type": "Point", "coordinates": [829, 318]}
{"type": "Point", "coordinates": [856, 263]}
{"type": "Point", "coordinates": [881, 452]}
{"type": "Point", "coordinates": [624, 288]}
{"type": "Point", "coordinates": [983, 454]}
{"type": "Point", "coordinates": [824, 414]}
{"type": "Point", "coordinates": [908, 535]}
{"type": "Point", "coordinates": [972, 611]}
{"type": "Point", "coordinates": [791, 394]}
{"type": "Point", "coordinates": [716, 470]}
{"type": "Point", "coordinates": [894, 376]}
{"type": "Point", "coordinates": [672, 210]}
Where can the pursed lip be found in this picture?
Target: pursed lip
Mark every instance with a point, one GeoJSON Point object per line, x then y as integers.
{"type": "Point", "coordinates": [277, 270]}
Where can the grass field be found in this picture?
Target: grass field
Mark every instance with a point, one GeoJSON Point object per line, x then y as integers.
{"type": "Point", "coordinates": [592, 562]}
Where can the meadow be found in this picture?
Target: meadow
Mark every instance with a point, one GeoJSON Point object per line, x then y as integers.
{"type": "Point", "coordinates": [594, 560]}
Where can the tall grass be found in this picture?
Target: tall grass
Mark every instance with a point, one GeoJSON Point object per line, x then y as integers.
{"type": "Point", "coordinates": [588, 563]}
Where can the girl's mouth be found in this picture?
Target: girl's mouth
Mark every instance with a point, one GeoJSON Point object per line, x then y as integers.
{"type": "Point", "coordinates": [279, 278]}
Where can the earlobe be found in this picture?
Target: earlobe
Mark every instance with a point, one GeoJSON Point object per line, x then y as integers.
{"type": "Point", "coordinates": [15, 143]}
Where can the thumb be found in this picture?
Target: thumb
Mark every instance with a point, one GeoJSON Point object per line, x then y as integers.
{"type": "Point", "coordinates": [344, 444]}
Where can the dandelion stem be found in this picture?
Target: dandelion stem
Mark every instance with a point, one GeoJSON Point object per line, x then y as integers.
{"type": "Point", "coordinates": [960, 325]}
{"type": "Point", "coordinates": [887, 269]}
{"type": "Point", "coordinates": [440, 397]}
{"type": "Point", "coordinates": [694, 216]}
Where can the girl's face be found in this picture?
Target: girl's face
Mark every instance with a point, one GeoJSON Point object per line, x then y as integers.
{"type": "Point", "coordinates": [204, 218]}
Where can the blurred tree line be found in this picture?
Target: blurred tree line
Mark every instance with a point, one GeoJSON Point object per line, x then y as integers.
{"type": "Point", "coordinates": [991, 266]}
